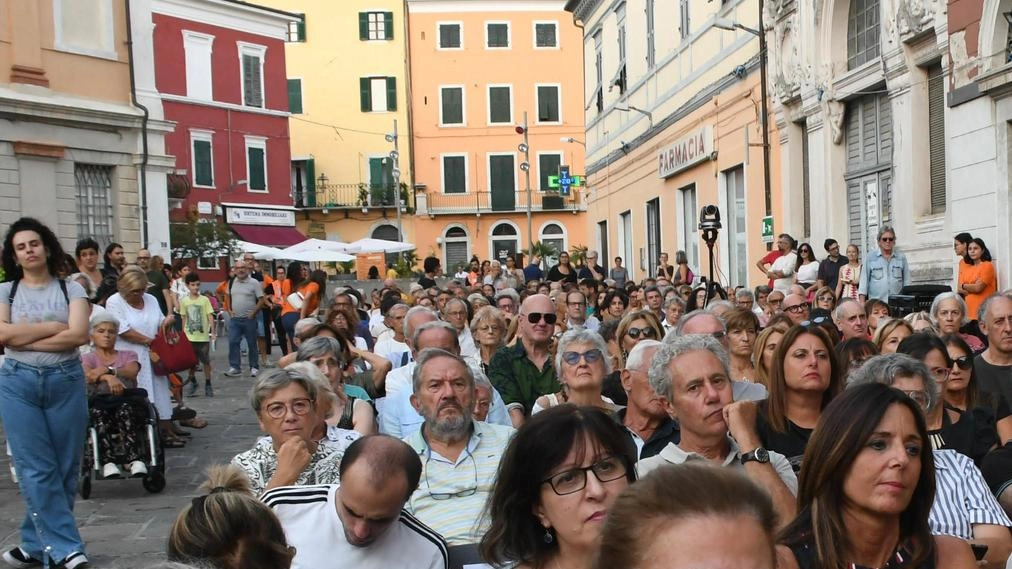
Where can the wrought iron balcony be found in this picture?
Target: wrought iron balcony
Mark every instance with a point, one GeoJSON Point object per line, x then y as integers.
{"type": "Point", "coordinates": [438, 203]}
{"type": "Point", "coordinates": [350, 196]}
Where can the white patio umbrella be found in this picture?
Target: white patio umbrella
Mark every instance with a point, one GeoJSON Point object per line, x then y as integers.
{"type": "Point", "coordinates": [369, 245]}
{"type": "Point", "coordinates": [312, 244]}
{"type": "Point", "coordinates": [319, 256]}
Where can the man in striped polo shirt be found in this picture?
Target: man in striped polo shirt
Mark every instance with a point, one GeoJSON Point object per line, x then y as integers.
{"type": "Point", "coordinates": [361, 524]}
{"type": "Point", "coordinates": [460, 456]}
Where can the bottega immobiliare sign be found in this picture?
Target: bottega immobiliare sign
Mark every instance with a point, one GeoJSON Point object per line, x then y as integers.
{"type": "Point", "coordinates": [685, 152]}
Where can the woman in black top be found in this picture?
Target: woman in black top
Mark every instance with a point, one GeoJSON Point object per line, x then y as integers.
{"type": "Point", "coordinates": [866, 490]}
{"type": "Point", "coordinates": [562, 271]}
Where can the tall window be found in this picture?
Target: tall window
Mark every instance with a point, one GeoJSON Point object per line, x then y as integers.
{"type": "Point", "coordinates": [256, 164]}
{"type": "Point", "coordinates": [548, 103]}
{"type": "Point", "coordinates": [602, 242]}
{"type": "Point", "coordinates": [455, 248]}
{"type": "Point", "coordinates": [252, 58]}
{"type": "Point", "coordinates": [203, 158]}
{"type": "Point", "coordinates": [734, 180]}
{"type": "Point", "coordinates": [85, 26]}
{"type": "Point", "coordinates": [454, 173]}
{"type": "Point", "coordinates": [651, 49]}
{"type": "Point", "coordinates": [806, 179]}
{"type": "Point", "coordinates": [378, 94]}
{"type": "Point", "coordinates": [546, 35]}
{"type": "Point", "coordinates": [295, 96]}
{"type": "Point", "coordinates": [598, 72]}
{"type": "Point", "coordinates": [197, 49]}
{"type": "Point", "coordinates": [552, 234]}
{"type": "Point", "coordinates": [653, 234]}
{"type": "Point", "coordinates": [936, 136]}
{"type": "Point", "coordinates": [863, 42]}
{"type": "Point", "coordinates": [93, 192]}
{"type": "Point", "coordinates": [451, 105]}
{"type": "Point", "coordinates": [375, 26]}
{"type": "Point", "coordinates": [548, 165]}
{"type": "Point", "coordinates": [625, 244]}
{"type": "Point", "coordinates": [297, 30]}
{"type": "Point", "coordinates": [500, 104]}
{"type": "Point", "coordinates": [450, 36]}
{"type": "Point", "coordinates": [497, 35]}
{"type": "Point", "coordinates": [689, 222]}
{"type": "Point", "coordinates": [683, 19]}
{"type": "Point", "coordinates": [620, 76]}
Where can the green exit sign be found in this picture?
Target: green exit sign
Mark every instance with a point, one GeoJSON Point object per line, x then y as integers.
{"type": "Point", "coordinates": [768, 229]}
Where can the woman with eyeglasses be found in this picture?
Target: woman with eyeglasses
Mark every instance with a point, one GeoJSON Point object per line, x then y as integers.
{"type": "Point", "coordinates": [488, 327]}
{"type": "Point", "coordinates": [804, 379]}
{"type": "Point", "coordinates": [742, 327]}
{"type": "Point", "coordinates": [285, 402]}
{"type": "Point", "coordinates": [889, 334]}
{"type": "Point", "coordinates": [825, 299]}
{"type": "Point", "coordinates": [962, 390]}
{"type": "Point", "coordinates": [582, 364]}
{"type": "Point", "coordinates": [635, 326]}
{"type": "Point", "coordinates": [557, 480]}
{"type": "Point", "coordinates": [227, 528]}
{"type": "Point", "coordinates": [806, 268]}
{"type": "Point", "coordinates": [948, 310]}
{"type": "Point", "coordinates": [948, 427]}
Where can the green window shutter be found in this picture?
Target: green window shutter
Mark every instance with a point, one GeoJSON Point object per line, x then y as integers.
{"type": "Point", "coordinates": [363, 25]}
{"type": "Point", "coordinates": [548, 165]}
{"type": "Point", "coordinates": [295, 96]}
{"type": "Point", "coordinates": [499, 103]}
{"type": "Point", "coordinates": [391, 93]}
{"type": "Point", "coordinates": [301, 29]}
{"type": "Point", "coordinates": [202, 163]}
{"type": "Point", "coordinates": [388, 25]}
{"type": "Point", "coordinates": [311, 182]}
{"type": "Point", "coordinates": [453, 175]}
{"type": "Point", "coordinates": [366, 94]}
{"type": "Point", "coordinates": [257, 175]}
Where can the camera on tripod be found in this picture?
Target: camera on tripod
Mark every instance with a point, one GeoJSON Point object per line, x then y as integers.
{"type": "Point", "coordinates": [709, 217]}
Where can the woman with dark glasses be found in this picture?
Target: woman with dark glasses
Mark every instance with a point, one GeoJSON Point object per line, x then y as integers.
{"type": "Point", "coordinates": [635, 326]}
{"type": "Point", "coordinates": [582, 365]}
{"type": "Point", "coordinates": [962, 391]}
{"type": "Point", "coordinates": [557, 480]}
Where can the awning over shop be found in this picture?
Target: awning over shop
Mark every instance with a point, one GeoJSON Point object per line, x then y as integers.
{"type": "Point", "coordinates": [270, 235]}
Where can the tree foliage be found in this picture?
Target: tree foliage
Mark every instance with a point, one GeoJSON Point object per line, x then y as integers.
{"type": "Point", "coordinates": [202, 237]}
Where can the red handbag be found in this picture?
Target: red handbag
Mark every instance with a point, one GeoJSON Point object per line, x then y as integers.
{"type": "Point", "coordinates": [175, 353]}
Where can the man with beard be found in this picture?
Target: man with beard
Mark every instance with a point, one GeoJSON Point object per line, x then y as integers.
{"type": "Point", "coordinates": [460, 456]}
{"type": "Point", "coordinates": [361, 523]}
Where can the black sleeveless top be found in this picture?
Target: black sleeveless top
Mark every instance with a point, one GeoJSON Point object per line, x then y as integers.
{"type": "Point", "coordinates": [805, 556]}
{"type": "Point", "coordinates": [346, 417]}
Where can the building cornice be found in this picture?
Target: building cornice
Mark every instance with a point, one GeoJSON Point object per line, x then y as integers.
{"type": "Point", "coordinates": [222, 105]}
{"type": "Point", "coordinates": [483, 6]}
{"type": "Point", "coordinates": [42, 105]}
{"type": "Point", "coordinates": [230, 14]}
{"type": "Point", "coordinates": [582, 9]}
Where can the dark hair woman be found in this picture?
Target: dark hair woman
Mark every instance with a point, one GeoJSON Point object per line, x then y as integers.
{"type": "Point", "coordinates": [299, 297]}
{"type": "Point", "coordinates": [614, 305]}
{"type": "Point", "coordinates": [867, 488]}
{"type": "Point", "coordinates": [977, 277]}
{"type": "Point", "coordinates": [963, 392]}
{"type": "Point", "coordinates": [558, 477]}
{"type": "Point", "coordinates": [43, 320]}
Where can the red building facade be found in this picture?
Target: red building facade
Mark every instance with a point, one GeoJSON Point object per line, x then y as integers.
{"type": "Point", "coordinates": [220, 72]}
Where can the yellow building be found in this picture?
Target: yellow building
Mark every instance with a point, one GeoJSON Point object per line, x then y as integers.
{"type": "Point", "coordinates": [674, 107]}
{"type": "Point", "coordinates": [476, 68]}
{"type": "Point", "coordinates": [347, 84]}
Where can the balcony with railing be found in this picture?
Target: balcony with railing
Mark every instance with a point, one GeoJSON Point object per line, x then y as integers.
{"type": "Point", "coordinates": [350, 196]}
{"type": "Point", "coordinates": [439, 203]}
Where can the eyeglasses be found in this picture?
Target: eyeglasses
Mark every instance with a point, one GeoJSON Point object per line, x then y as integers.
{"type": "Point", "coordinates": [963, 363]}
{"type": "Point", "coordinates": [279, 409]}
{"type": "Point", "coordinates": [440, 496]}
{"type": "Point", "coordinates": [941, 374]}
{"type": "Point", "coordinates": [719, 335]}
{"type": "Point", "coordinates": [887, 239]}
{"type": "Point", "coordinates": [571, 481]}
{"type": "Point", "coordinates": [646, 332]}
{"type": "Point", "coordinates": [920, 397]}
{"type": "Point", "coordinates": [489, 328]}
{"type": "Point", "coordinates": [827, 298]}
{"type": "Point", "coordinates": [590, 356]}
{"type": "Point", "coordinates": [797, 308]}
{"type": "Point", "coordinates": [815, 321]}
{"type": "Point", "coordinates": [549, 317]}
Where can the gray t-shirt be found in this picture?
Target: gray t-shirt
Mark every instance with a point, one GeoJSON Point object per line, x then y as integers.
{"type": "Point", "coordinates": [40, 304]}
{"type": "Point", "coordinates": [245, 294]}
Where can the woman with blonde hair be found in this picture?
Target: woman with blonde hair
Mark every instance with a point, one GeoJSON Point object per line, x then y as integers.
{"type": "Point", "coordinates": [488, 327]}
{"type": "Point", "coordinates": [765, 349]}
{"type": "Point", "coordinates": [921, 322]}
{"type": "Point", "coordinates": [889, 334]}
{"type": "Point", "coordinates": [226, 527]}
{"type": "Point", "coordinates": [634, 326]}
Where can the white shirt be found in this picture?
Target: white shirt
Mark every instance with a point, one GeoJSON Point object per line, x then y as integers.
{"type": "Point", "coordinates": [591, 324]}
{"type": "Point", "coordinates": [784, 264]}
{"type": "Point", "coordinates": [309, 516]}
{"type": "Point", "coordinates": [393, 350]}
{"type": "Point", "coordinates": [376, 325]}
{"type": "Point", "coordinates": [808, 273]}
{"type": "Point", "coordinates": [468, 349]}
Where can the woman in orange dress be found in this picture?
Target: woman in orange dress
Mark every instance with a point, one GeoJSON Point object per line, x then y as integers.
{"type": "Point", "coordinates": [977, 279]}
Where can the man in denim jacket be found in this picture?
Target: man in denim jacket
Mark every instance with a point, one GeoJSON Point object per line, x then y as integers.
{"type": "Point", "coordinates": [884, 272]}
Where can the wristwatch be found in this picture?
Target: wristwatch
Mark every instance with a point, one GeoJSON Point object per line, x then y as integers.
{"type": "Point", "coordinates": [111, 370]}
{"type": "Point", "coordinates": [760, 455]}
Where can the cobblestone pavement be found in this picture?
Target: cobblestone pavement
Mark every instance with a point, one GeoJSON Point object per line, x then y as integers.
{"type": "Point", "coordinates": [124, 526]}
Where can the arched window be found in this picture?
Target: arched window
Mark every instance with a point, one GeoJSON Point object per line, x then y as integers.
{"type": "Point", "coordinates": [455, 249]}
{"type": "Point", "coordinates": [553, 234]}
{"type": "Point", "coordinates": [505, 241]}
{"type": "Point", "coordinates": [863, 41]}
{"type": "Point", "coordinates": [390, 233]}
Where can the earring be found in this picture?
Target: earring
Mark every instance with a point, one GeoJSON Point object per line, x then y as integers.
{"type": "Point", "coordinates": [549, 538]}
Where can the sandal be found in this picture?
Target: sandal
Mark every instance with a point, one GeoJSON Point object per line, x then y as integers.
{"type": "Point", "coordinates": [173, 442]}
{"type": "Point", "coordinates": [194, 423]}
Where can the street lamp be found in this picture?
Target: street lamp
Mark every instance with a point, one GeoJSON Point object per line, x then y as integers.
{"type": "Point", "coordinates": [395, 156]}
{"type": "Point", "coordinates": [571, 140]}
{"type": "Point", "coordinates": [525, 149]}
{"type": "Point", "coordinates": [726, 24]}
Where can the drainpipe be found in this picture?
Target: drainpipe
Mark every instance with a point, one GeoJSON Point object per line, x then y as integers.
{"type": "Point", "coordinates": [144, 127]}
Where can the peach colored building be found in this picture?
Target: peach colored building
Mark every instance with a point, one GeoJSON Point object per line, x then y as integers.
{"type": "Point", "coordinates": [476, 68]}
{"type": "Point", "coordinates": [72, 149]}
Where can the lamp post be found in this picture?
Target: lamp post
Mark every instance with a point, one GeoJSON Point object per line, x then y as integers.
{"type": "Point", "coordinates": [526, 167]}
{"type": "Point", "coordinates": [395, 156]}
{"type": "Point", "coordinates": [725, 24]}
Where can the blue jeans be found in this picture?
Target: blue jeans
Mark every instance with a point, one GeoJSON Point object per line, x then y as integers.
{"type": "Point", "coordinates": [288, 321]}
{"type": "Point", "coordinates": [238, 329]}
{"type": "Point", "coordinates": [45, 416]}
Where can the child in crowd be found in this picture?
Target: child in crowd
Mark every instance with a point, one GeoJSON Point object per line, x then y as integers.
{"type": "Point", "coordinates": [198, 324]}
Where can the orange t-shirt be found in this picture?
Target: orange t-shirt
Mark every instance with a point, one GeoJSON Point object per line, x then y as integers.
{"type": "Point", "coordinates": [969, 275]}
{"type": "Point", "coordinates": [310, 291]}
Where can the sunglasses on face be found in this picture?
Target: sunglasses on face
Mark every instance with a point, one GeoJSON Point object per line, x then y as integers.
{"type": "Point", "coordinates": [535, 317]}
{"type": "Point", "coordinates": [888, 239]}
{"type": "Point", "coordinates": [797, 308]}
{"type": "Point", "coordinates": [590, 356]}
{"type": "Point", "coordinates": [815, 321]}
{"type": "Point", "coordinates": [646, 332]}
{"type": "Point", "coordinates": [963, 363]}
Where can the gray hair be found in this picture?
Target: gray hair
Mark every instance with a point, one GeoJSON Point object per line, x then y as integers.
{"type": "Point", "coordinates": [323, 387]}
{"type": "Point", "coordinates": [674, 300]}
{"type": "Point", "coordinates": [486, 314]}
{"type": "Point", "coordinates": [638, 353]}
{"type": "Point", "coordinates": [986, 305]}
{"type": "Point", "coordinates": [886, 229]}
{"type": "Point", "coordinates": [481, 380]}
{"type": "Point", "coordinates": [318, 346]}
{"type": "Point", "coordinates": [936, 305]}
{"type": "Point", "coordinates": [887, 368]}
{"type": "Point", "coordinates": [271, 380]}
{"type": "Point", "coordinates": [508, 292]}
{"type": "Point", "coordinates": [306, 324]}
{"type": "Point", "coordinates": [838, 311]}
{"type": "Point", "coordinates": [440, 324]}
{"type": "Point", "coordinates": [582, 336]}
{"type": "Point", "coordinates": [103, 317]}
{"type": "Point", "coordinates": [744, 293]}
{"type": "Point", "coordinates": [410, 313]}
{"type": "Point", "coordinates": [713, 306]}
{"type": "Point", "coordinates": [677, 346]}
{"type": "Point", "coordinates": [696, 314]}
{"type": "Point", "coordinates": [429, 354]}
